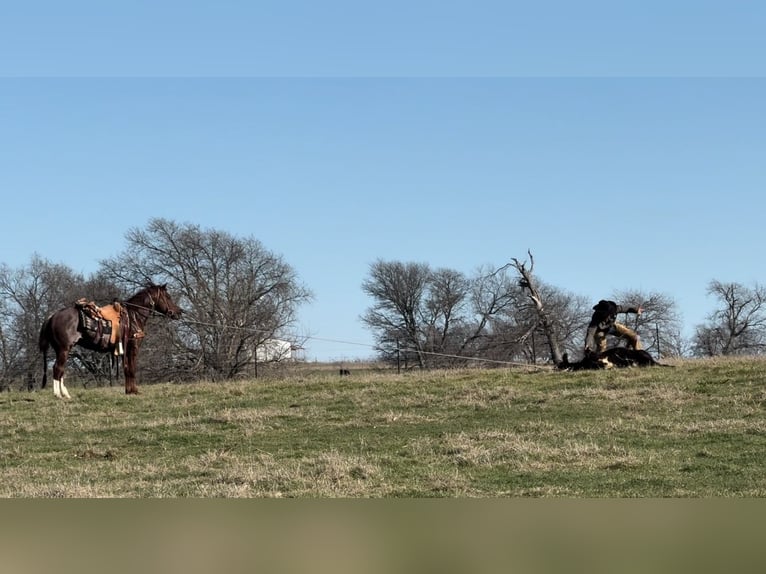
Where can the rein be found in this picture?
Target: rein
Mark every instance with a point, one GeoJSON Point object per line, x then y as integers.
{"type": "Point", "coordinates": [137, 319]}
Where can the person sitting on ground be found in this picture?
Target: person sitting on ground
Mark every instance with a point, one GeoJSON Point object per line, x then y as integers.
{"type": "Point", "coordinates": [604, 322]}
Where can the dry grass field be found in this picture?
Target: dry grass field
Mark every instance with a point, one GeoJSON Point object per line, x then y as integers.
{"type": "Point", "coordinates": [695, 430]}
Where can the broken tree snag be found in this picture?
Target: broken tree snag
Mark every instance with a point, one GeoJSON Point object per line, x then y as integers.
{"type": "Point", "coordinates": [527, 282]}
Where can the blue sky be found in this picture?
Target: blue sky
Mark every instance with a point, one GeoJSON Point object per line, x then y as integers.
{"type": "Point", "coordinates": [417, 131]}
{"type": "Point", "coordinates": [393, 38]}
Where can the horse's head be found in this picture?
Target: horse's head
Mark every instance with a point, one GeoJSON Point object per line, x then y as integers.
{"type": "Point", "coordinates": [164, 304]}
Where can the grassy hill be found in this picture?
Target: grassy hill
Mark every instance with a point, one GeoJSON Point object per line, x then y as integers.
{"type": "Point", "coordinates": [696, 430]}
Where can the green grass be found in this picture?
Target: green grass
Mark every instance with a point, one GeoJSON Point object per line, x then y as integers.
{"type": "Point", "coordinates": [697, 430]}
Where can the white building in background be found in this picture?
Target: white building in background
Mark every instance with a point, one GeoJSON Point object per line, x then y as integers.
{"type": "Point", "coordinates": [274, 350]}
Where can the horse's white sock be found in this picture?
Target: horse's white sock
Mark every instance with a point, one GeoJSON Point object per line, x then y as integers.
{"type": "Point", "coordinates": [57, 388]}
{"type": "Point", "coordinates": [64, 391]}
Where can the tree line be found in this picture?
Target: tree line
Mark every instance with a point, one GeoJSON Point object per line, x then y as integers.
{"type": "Point", "coordinates": [237, 295]}
{"type": "Point", "coordinates": [441, 317]}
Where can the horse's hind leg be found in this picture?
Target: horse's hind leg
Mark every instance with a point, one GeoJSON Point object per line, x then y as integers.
{"type": "Point", "coordinates": [64, 391]}
{"type": "Point", "coordinates": [59, 390]}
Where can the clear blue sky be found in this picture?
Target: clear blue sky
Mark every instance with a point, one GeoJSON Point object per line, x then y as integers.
{"type": "Point", "coordinates": [336, 133]}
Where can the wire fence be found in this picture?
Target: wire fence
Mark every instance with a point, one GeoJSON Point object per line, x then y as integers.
{"type": "Point", "coordinates": [404, 353]}
{"type": "Point", "coordinates": [293, 338]}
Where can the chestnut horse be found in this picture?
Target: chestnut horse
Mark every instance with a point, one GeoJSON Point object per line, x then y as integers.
{"type": "Point", "coordinates": [62, 331]}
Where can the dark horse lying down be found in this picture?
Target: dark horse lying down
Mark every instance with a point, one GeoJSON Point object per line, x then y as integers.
{"type": "Point", "coordinates": [619, 357]}
{"type": "Point", "coordinates": [63, 330]}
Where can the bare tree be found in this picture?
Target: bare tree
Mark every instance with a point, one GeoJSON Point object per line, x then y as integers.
{"type": "Point", "coordinates": [571, 314]}
{"type": "Point", "coordinates": [518, 334]}
{"type": "Point", "coordinates": [236, 294]}
{"type": "Point", "coordinates": [443, 313]}
{"type": "Point", "coordinates": [398, 291]}
{"type": "Point", "coordinates": [738, 326]}
{"type": "Point", "coordinates": [30, 293]}
{"type": "Point", "coordinates": [492, 296]}
{"type": "Point", "coordinates": [707, 341]}
{"type": "Point", "coordinates": [659, 324]}
{"type": "Point", "coordinates": [441, 318]}
{"type": "Point", "coordinates": [547, 323]}
{"type": "Point", "coordinates": [8, 343]}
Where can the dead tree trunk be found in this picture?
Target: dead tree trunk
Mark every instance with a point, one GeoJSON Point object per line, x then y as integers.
{"type": "Point", "coordinates": [527, 282]}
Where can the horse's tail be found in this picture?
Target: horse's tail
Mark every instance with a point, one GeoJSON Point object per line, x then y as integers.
{"type": "Point", "coordinates": [43, 344]}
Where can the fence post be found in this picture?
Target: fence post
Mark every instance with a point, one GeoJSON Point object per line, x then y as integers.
{"type": "Point", "coordinates": [657, 333]}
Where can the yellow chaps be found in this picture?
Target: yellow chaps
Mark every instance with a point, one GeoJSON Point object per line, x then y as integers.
{"type": "Point", "coordinates": [620, 331]}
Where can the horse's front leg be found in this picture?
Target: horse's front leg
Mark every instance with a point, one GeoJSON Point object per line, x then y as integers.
{"type": "Point", "coordinates": [129, 364]}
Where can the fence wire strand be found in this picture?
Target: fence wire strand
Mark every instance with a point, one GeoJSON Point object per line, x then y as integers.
{"type": "Point", "coordinates": [293, 338]}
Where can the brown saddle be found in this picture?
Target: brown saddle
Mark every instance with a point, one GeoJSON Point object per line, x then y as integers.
{"type": "Point", "coordinates": [103, 324]}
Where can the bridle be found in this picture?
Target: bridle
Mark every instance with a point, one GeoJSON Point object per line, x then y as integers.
{"type": "Point", "coordinates": [137, 326]}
